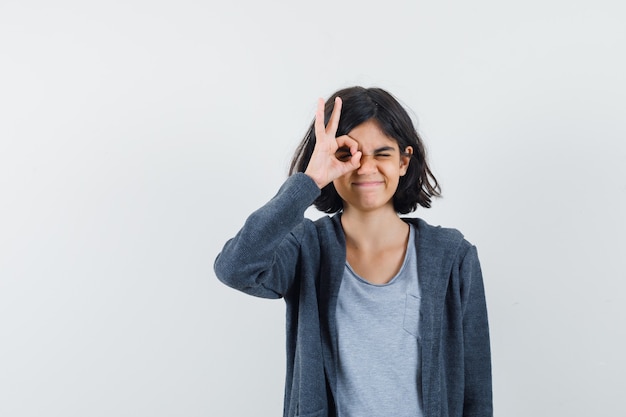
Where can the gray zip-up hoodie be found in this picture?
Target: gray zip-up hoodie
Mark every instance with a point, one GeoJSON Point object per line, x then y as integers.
{"type": "Point", "coordinates": [279, 253]}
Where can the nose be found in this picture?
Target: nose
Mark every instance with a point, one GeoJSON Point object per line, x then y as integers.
{"type": "Point", "coordinates": [368, 165]}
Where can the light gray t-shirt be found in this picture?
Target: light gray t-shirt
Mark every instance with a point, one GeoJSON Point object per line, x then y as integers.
{"type": "Point", "coordinates": [378, 355]}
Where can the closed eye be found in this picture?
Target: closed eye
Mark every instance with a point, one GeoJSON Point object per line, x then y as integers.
{"type": "Point", "coordinates": [384, 152]}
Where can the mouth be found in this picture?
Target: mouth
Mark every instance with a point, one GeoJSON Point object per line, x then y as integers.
{"type": "Point", "coordinates": [366, 184]}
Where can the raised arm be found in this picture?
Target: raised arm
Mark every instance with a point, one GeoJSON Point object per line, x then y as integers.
{"type": "Point", "coordinates": [261, 259]}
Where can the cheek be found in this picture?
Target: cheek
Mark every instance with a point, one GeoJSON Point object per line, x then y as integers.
{"type": "Point", "coordinates": [339, 181]}
{"type": "Point", "coordinates": [340, 184]}
{"type": "Point", "coordinates": [341, 189]}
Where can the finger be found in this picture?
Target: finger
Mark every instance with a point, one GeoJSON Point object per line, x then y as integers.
{"type": "Point", "coordinates": [348, 142]}
{"type": "Point", "coordinates": [356, 159]}
{"type": "Point", "coordinates": [348, 165]}
{"type": "Point", "coordinates": [320, 129]}
{"type": "Point", "coordinates": [333, 123]}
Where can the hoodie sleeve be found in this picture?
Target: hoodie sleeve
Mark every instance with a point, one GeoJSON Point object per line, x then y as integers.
{"type": "Point", "coordinates": [477, 353]}
{"type": "Point", "coordinates": [261, 259]}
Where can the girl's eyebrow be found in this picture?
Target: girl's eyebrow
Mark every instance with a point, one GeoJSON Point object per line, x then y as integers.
{"type": "Point", "coordinates": [378, 150]}
{"type": "Point", "coordinates": [384, 149]}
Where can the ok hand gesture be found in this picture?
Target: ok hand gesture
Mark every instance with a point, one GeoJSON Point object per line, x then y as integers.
{"type": "Point", "coordinates": [324, 166]}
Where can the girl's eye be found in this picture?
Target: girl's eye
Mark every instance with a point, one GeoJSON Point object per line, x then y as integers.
{"type": "Point", "coordinates": [343, 154]}
{"type": "Point", "coordinates": [383, 155]}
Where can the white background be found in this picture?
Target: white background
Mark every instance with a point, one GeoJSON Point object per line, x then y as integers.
{"type": "Point", "coordinates": [136, 136]}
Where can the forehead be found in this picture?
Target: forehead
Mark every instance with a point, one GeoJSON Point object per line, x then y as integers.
{"type": "Point", "coordinates": [369, 135]}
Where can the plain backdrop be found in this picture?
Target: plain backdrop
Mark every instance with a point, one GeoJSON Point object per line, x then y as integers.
{"type": "Point", "coordinates": [136, 136]}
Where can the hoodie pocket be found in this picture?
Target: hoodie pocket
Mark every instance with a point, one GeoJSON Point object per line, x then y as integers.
{"type": "Point", "coordinates": [319, 413]}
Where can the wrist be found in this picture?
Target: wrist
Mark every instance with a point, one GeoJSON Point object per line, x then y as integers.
{"type": "Point", "coordinates": [319, 183]}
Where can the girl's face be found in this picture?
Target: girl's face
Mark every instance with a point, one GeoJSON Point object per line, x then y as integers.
{"type": "Point", "coordinates": [372, 185]}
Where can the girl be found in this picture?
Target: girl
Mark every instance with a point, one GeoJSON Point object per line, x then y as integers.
{"type": "Point", "coordinates": [386, 316]}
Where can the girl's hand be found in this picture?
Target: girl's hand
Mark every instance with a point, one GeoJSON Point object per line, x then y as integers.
{"type": "Point", "coordinates": [325, 166]}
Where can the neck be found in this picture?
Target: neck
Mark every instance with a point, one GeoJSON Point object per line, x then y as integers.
{"type": "Point", "coordinates": [372, 230]}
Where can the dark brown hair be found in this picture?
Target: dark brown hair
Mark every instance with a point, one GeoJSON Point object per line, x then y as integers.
{"type": "Point", "coordinates": [360, 104]}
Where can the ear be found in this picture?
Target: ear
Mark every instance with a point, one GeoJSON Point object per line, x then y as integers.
{"type": "Point", "coordinates": [405, 160]}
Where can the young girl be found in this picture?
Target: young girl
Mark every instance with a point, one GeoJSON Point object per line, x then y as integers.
{"type": "Point", "coordinates": [386, 315]}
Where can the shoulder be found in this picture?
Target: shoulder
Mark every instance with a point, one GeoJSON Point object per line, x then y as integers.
{"type": "Point", "coordinates": [439, 235]}
{"type": "Point", "coordinates": [329, 230]}
{"type": "Point", "coordinates": [330, 225]}
{"type": "Point", "coordinates": [443, 238]}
